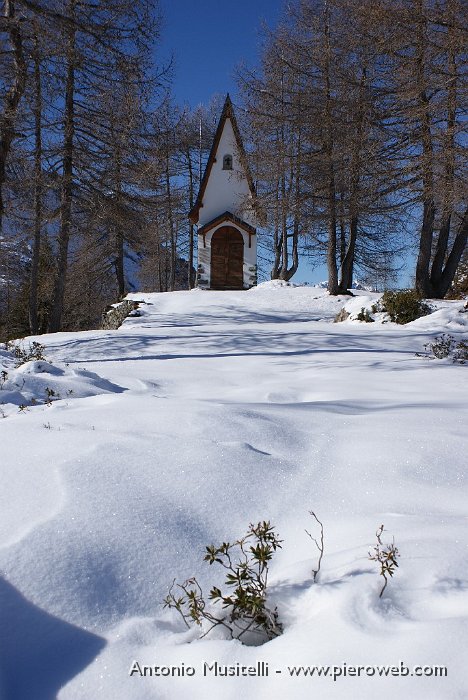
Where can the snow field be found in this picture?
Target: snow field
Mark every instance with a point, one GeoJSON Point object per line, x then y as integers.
{"type": "Point", "coordinates": [209, 411]}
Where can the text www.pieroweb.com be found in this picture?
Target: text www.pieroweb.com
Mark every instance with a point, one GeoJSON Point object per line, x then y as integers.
{"type": "Point", "coordinates": [345, 671]}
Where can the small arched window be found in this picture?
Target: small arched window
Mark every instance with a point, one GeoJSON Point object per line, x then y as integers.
{"type": "Point", "coordinates": [227, 162]}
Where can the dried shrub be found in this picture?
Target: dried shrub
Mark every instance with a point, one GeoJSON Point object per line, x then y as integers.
{"type": "Point", "coordinates": [386, 556]}
{"type": "Point", "coordinates": [35, 351]}
{"type": "Point", "coordinates": [445, 345]}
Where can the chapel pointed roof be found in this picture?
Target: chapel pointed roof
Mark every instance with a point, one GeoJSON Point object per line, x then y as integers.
{"type": "Point", "coordinates": [227, 113]}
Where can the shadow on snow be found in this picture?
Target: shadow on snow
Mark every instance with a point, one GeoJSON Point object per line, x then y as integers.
{"type": "Point", "coordinates": [39, 652]}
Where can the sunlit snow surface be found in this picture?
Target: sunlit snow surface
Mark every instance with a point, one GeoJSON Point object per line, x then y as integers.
{"type": "Point", "coordinates": [209, 411]}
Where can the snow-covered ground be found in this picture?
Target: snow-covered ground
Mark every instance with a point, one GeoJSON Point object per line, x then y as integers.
{"type": "Point", "coordinates": [210, 411]}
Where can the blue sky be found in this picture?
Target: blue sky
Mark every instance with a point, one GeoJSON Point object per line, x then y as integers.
{"type": "Point", "coordinates": [208, 39]}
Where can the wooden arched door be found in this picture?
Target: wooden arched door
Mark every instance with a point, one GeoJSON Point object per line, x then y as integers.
{"type": "Point", "coordinates": [227, 259]}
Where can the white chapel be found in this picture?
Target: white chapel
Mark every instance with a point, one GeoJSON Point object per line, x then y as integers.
{"type": "Point", "coordinates": [225, 212]}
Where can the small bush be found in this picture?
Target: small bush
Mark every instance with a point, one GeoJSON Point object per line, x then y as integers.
{"type": "Point", "coordinates": [246, 562]}
{"type": "Point", "coordinates": [386, 556]}
{"type": "Point", "coordinates": [35, 351]}
{"type": "Point", "coordinates": [403, 306]}
{"type": "Point", "coordinates": [3, 378]}
{"type": "Point", "coordinates": [364, 315]}
{"type": "Point", "coordinates": [441, 347]}
{"type": "Point", "coordinates": [460, 353]}
{"type": "Point", "coordinates": [51, 395]}
{"type": "Point", "coordinates": [342, 315]}
{"type": "Point", "coordinates": [445, 345]}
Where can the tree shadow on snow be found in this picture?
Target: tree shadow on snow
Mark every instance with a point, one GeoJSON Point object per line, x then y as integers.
{"type": "Point", "coordinates": [232, 343]}
{"type": "Point", "coordinates": [39, 653]}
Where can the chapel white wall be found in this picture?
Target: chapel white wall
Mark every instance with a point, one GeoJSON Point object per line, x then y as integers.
{"type": "Point", "coordinates": [226, 190]}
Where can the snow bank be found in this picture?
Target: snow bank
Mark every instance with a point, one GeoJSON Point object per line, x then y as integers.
{"type": "Point", "coordinates": [446, 315]}
{"type": "Point", "coordinates": [38, 382]}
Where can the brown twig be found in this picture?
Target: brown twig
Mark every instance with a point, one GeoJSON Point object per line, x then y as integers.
{"type": "Point", "coordinates": [320, 546]}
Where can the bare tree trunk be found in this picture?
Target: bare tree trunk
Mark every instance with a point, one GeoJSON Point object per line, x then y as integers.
{"type": "Point", "coordinates": [280, 269]}
{"type": "Point", "coordinates": [449, 152]}
{"type": "Point", "coordinates": [342, 229]}
{"type": "Point", "coordinates": [38, 189]}
{"type": "Point", "coordinates": [294, 250]}
{"type": "Point", "coordinates": [170, 221]}
{"type": "Point", "coordinates": [456, 254]}
{"type": "Point", "coordinates": [423, 286]}
{"type": "Point", "coordinates": [118, 223]}
{"type": "Point", "coordinates": [347, 265]}
{"type": "Point", "coordinates": [442, 276]}
{"type": "Point", "coordinates": [67, 180]}
{"type": "Point", "coordinates": [284, 208]}
{"type": "Point", "coordinates": [291, 271]}
{"type": "Point", "coordinates": [13, 96]}
{"type": "Point", "coordinates": [119, 260]}
{"type": "Point", "coordinates": [331, 248]}
{"type": "Point", "coordinates": [161, 267]}
{"type": "Point", "coordinates": [329, 153]}
{"type": "Point", "coordinates": [191, 280]}
{"type": "Point", "coordinates": [277, 240]}
{"type": "Point", "coordinates": [284, 231]}
{"type": "Point", "coordinates": [119, 267]}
